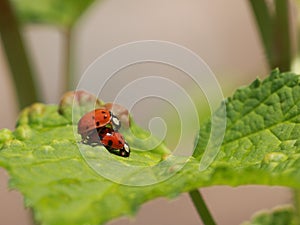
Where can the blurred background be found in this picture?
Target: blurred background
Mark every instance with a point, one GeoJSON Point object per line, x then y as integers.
{"type": "Point", "coordinates": [223, 33]}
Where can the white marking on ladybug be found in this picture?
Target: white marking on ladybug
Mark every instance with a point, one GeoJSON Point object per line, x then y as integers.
{"type": "Point", "coordinates": [116, 121]}
{"type": "Point", "coordinates": [126, 147]}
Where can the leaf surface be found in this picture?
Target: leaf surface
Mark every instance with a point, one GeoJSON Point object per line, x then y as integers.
{"type": "Point", "coordinates": [42, 156]}
{"type": "Point", "coordinates": [278, 216]}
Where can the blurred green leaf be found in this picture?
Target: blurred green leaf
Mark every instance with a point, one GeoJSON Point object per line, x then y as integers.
{"type": "Point", "coordinates": [278, 216]}
{"type": "Point", "coordinates": [261, 146]}
{"type": "Point", "coordinates": [62, 13]}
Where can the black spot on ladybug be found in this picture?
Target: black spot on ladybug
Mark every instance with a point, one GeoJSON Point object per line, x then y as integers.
{"type": "Point", "coordinates": [87, 127]}
{"type": "Point", "coordinates": [97, 123]}
{"type": "Point", "coordinates": [110, 143]}
{"type": "Point", "coordinates": [93, 117]}
{"type": "Point", "coordinates": [103, 112]}
{"type": "Point", "coordinates": [120, 142]}
{"type": "Point", "coordinates": [105, 116]}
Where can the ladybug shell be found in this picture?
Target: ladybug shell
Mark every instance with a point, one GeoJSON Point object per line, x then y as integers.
{"type": "Point", "coordinates": [103, 131]}
{"type": "Point", "coordinates": [113, 140]}
{"type": "Point", "coordinates": [93, 120]}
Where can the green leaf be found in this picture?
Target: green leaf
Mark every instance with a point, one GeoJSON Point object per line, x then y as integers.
{"type": "Point", "coordinates": [262, 135]}
{"type": "Point", "coordinates": [63, 13]}
{"type": "Point", "coordinates": [278, 216]}
{"type": "Point", "coordinates": [45, 159]}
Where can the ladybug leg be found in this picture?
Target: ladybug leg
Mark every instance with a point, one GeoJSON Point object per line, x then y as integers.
{"type": "Point", "coordinates": [112, 151]}
{"type": "Point", "coordinates": [119, 152]}
{"type": "Point", "coordinates": [84, 139]}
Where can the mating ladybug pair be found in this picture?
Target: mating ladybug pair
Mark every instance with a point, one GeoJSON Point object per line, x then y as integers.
{"type": "Point", "coordinates": [100, 126]}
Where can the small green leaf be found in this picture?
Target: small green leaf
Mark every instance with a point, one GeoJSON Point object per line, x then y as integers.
{"type": "Point", "coordinates": [60, 179]}
{"type": "Point", "coordinates": [278, 216]}
{"type": "Point", "coordinates": [63, 13]}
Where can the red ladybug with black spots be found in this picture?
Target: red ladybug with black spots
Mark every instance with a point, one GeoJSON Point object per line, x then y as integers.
{"type": "Point", "coordinates": [115, 143]}
{"type": "Point", "coordinates": [100, 126]}
{"type": "Point", "coordinates": [94, 120]}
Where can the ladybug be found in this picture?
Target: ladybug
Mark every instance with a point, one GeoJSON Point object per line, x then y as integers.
{"type": "Point", "coordinates": [115, 143]}
{"type": "Point", "coordinates": [92, 138]}
{"type": "Point", "coordinates": [96, 119]}
{"type": "Point", "coordinates": [101, 132]}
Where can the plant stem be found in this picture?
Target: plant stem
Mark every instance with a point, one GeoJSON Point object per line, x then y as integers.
{"type": "Point", "coordinates": [275, 32]}
{"type": "Point", "coordinates": [296, 61]}
{"type": "Point", "coordinates": [297, 205]}
{"type": "Point", "coordinates": [264, 23]}
{"type": "Point", "coordinates": [67, 75]}
{"type": "Point", "coordinates": [17, 57]}
{"type": "Point", "coordinates": [201, 207]}
{"type": "Point", "coordinates": [282, 35]}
